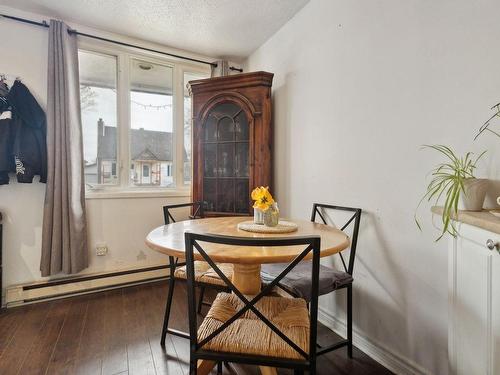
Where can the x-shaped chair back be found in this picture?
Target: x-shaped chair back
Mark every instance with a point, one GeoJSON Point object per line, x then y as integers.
{"type": "Point", "coordinates": [320, 209]}
{"type": "Point", "coordinates": [197, 211]}
{"type": "Point", "coordinates": [312, 245]}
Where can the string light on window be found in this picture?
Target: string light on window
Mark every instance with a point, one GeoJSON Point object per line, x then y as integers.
{"type": "Point", "coordinates": [150, 106]}
{"type": "Point", "coordinates": [146, 106]}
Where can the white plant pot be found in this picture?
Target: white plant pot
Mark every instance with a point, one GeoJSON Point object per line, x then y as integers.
{"type": "Point", "coordinates": [475, 192]}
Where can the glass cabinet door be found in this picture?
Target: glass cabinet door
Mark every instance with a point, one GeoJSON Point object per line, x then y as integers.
{"type": "Point", "coordinates": [226, 168]}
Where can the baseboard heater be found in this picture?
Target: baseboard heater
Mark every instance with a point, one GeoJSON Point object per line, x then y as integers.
{"type": "Point", "coordinates": [66, 287]}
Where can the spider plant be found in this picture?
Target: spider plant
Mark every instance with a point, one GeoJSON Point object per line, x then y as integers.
{"type": "Point", "coordinates": [487, 124]}
{"type": "Point", "coordinates": [448, 182]}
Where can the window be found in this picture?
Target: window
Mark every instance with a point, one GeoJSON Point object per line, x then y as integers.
{"type": "Point", "coordinates": [187, 125]}
{"type": "Point", "coordinates": [135, 112]}
{"type": "Point", "coordinates": [145, 171]}
{"type": "Point", "coordinates": [99, 116]}
{"type": "Point", "coordinates": [151, 120]}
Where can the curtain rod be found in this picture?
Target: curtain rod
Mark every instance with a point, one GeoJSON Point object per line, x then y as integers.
{"type": "Point", "coordinates": [46, 24]}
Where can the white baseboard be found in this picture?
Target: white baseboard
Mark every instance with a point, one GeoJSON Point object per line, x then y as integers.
{"type": "Point", "coordinates": [16, 295]}
{"type": "Point", "coordinates": [392, 361]}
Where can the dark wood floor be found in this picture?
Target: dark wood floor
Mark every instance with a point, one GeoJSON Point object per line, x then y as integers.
{"type": "Point", "coordinates": [118, 332]}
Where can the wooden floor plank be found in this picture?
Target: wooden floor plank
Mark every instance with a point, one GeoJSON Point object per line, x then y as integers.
{"type": "Point", "coordinates": [140, 357]}
{"type": "Point", "coordinates": [65, 354]}
{"type": "Point", "coordinates": [179, 321]}
{"type": "Point", "coordinates": [165, 359]}
{"type": "Point", "coordinates": [120, 331]}
{"type": "Point", "coordinates": [27, 333]}
{"type": "Point", "coordinates": [9, 322]}
{"type": "Point", "coordinates": [115, 348]}
{"type": "Point", "coordinates": [38, 358]}
{"type": "Point", "coordinates": [89, 356]}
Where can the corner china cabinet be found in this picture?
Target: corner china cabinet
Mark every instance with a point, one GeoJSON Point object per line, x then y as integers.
{"type": "Point", "coordinates": [232, 138]}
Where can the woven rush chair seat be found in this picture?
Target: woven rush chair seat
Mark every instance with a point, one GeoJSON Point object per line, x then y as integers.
{"type": "Point", "coordinates": [249, 335]}
{"type": "Point", "coordinates": [205, 274]}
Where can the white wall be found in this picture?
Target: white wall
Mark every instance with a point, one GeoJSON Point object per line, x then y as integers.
{"type": "Point", "coordinates": [121, 223]}
{"type": "Point", "coordinates": [359, 86]}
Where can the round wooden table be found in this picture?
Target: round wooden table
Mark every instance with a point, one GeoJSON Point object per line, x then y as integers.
{"type": "Point", "coordinates": [169, 239]}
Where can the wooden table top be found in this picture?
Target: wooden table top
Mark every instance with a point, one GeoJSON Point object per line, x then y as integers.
{"type": "Point", "coordinates": [169, 239]}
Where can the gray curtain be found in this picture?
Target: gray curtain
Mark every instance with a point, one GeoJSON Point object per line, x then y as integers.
{"type": "Point", "coordinates": [64, 232]}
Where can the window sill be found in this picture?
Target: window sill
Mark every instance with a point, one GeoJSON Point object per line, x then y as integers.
{"type": "Point", "coordinates": [127, 194]}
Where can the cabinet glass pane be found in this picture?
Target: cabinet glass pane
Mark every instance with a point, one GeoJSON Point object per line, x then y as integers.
{"type": "Point", "coordinates": [241, 160]}
{"type": "Point", "coordinates": [211, 129]}
{"type": "Point", "coordinates": [241, 127]}
{"type": "Point", "coordinates": [226, 129]}
{"type": "Point", "coordinates": [225, 196]}
{"type": "Point", "coordinates": [210, 160]}
{"type": "Point", "coordinates": [209, 193]}
{"type": "Point", "coordinates": [225, 109]}
{"type": "Point", "coordinates": [242, 196]}
{"type": "Point", "coordinates": [225, 159]}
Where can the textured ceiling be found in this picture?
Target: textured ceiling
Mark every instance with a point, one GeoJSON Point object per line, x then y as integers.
{"type": "Point", "coordinates": [219, 28]}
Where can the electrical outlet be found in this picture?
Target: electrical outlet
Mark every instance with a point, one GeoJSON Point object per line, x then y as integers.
{"type": "Point", "coordinates": [101, 249]}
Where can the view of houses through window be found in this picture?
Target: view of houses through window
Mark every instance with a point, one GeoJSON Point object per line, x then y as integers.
{"type": "Point", "coordinates": [98, 96]}
{"type": "Point", "coordinates": [151, 123]}
{"type": "Point", "coordinates": [150, 134]}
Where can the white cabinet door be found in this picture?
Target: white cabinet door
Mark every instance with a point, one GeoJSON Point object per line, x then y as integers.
{"type": "Point", "coordinates": [474, 303]}
{"type": "Point", "coordinates": [495, 310]}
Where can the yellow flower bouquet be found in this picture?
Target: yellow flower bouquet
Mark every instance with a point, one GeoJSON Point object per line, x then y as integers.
{"type": "Point", "coordinates": [262, 198]}
{"type": "Point", "coordinates": [265, 208]}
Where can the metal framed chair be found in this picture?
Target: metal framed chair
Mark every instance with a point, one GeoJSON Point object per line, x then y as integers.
{"type": "Point", "coordinates": [205, 277]}
{"type": "Point", "coordinates": [330, 280]}
{"type": "Point", "coordinates": [260, 330]}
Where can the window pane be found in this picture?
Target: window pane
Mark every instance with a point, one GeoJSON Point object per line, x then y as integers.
{"type": "Point", "coordinates": [151, 134]}
{"type": "Point", "coordinates": [187, 125]}
{"type": "Point", "coordinates": [145, 170]}
{"type": "Point", "coordinates": [99, 109]}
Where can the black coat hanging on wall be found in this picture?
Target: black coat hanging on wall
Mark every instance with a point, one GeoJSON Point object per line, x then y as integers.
{"type": "Point", "coordinates": [6, 136]}
{"type": "Point", "coordinates": [23, 147]}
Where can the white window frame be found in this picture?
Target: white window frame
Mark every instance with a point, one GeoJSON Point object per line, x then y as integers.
{"type": "Point", "coordinates": [124, 56]}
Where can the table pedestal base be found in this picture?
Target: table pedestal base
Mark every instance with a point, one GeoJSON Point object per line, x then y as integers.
{"type": "Point", "coordinates": [246, 277]}
{"type": "Point", "coordinates": [205, 366]}
{"type": "Point", "coordinates": [268, 370]}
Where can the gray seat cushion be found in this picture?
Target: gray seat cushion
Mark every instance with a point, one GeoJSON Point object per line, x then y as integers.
{"type": "Point", "coordinates": [298, 281]}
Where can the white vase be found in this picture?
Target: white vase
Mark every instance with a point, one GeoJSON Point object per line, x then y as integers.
{"type": "Point", "coordinates": [473, 197]}
{"type": "Point", "coordinates": [258, 216]}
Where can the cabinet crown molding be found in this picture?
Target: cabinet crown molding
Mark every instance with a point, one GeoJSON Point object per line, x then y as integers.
{"type": "Point", "coordinates": [231, 82]}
